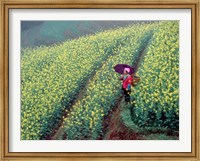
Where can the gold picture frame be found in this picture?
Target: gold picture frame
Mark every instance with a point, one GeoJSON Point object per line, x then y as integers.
{"type": "Point", "coordinates": [4, 61]}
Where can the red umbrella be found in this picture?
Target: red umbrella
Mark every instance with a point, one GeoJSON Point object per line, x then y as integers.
{"type": "Point", "coordinates": [119, 68]}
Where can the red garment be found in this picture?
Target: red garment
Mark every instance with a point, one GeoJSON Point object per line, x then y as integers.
{"type": "Point", "coordinates": [127, 81]}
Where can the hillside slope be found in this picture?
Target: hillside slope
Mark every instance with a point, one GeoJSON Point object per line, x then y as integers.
{"type": "Point", "coordinates": [36, 33]}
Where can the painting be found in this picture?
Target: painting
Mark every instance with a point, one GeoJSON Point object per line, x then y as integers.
{"type": "Point", "coordinates": [99, 80]}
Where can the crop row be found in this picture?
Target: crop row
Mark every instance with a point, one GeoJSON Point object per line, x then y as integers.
{"type": "Point", "coordinates": [84, 120]}
{"type": "Point", "coordinates": [156, 98]}
{"type": "Point", "coordinates": [51, 77]}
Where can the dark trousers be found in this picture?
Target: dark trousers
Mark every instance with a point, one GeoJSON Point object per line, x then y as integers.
{"type": "Point", "coordinates": [126, 95]}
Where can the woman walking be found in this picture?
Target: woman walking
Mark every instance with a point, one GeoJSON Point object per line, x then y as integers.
{"type": "Point", "coordinates": [126, 83]}
{"type": "Point", "coordinates": [128, 79]}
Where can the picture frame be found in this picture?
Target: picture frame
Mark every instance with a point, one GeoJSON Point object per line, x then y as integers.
{"type": "Point", "coordinates": [103, 4]}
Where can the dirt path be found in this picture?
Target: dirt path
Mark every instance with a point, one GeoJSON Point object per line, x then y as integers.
{"type": "Point", "coordinates": [113, 127]}
{"type": "Point", "coordinates": [117, 130]}
{"type": "Point", "coordinates": [58, 130]}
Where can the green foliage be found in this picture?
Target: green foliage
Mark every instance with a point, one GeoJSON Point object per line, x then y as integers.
{"type": "Point", "coordinates": [51, 77]}
{"type": "Point", "coordinates": [86, 116]}
{"type": "Point", "coordinates": [125, 116]}
{"type": "Point", "coordinates": [156, 98]}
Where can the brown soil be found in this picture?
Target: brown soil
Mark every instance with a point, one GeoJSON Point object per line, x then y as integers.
{"type": "Point", "coordinates": [115, 129]}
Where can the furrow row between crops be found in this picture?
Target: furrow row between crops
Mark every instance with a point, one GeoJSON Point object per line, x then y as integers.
{"type": "Point", "coordinates": [84, 121]}
{"type": "Point", "coordinates": [114, 51]}
{"type": "Point", "coordinates": [48, 84]}
{"type": "Point", "coordinates": [113, 125]}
